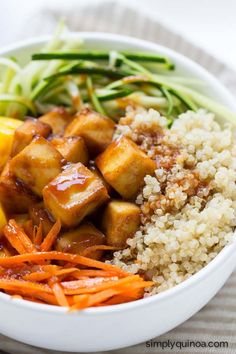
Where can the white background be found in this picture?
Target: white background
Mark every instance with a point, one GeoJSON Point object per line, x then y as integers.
{"type": "Point", "coordinates": [208, 23]}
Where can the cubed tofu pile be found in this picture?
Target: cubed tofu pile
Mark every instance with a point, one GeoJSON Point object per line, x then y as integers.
{"type": "Point", "coordinates": [71, 169]}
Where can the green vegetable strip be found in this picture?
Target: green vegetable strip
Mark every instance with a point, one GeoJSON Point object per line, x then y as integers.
{"type": "Point", "coordinates": [52, 93]}
{"type": "Point", "coordinates": [132, 64]}
{"type": "Point", "coordinates": [40, 89]}
{"type": "Point", "coordinates": [213, 106]}
{"type": "Point", "coordinates": [101, 55]}
{"type": "Point", "coordinates": [93, 97]}
{"type": "Point", "coordinates": [168, 96]}
{"type": "Point", "coordinates": [176, 90]}
{"type": "Point", "coordinates": [148, 101]}
{"type": "Point", "coordinates": [10, 64]}
{"type": "Point", "coordinates": [112, 95]}
{"type": "Point", "coordinates": [169, 122]}
{"type": "Point", "coordinates": [12, 108]}
{"type": "Point", "coordinates": [73, 73]}
{"type": "Point", "coordinates": [185, 99]}
{"type": "Point", "coordinates": [97, 70]}
{"type": "Point", "coordinates": [18, 99]}
{"type": "Point", "coordinates": [7, 79]}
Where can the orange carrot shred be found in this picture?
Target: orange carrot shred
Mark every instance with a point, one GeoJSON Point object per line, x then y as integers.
{"type": "Point", "coordinates": [94, 298]}
{"type": "Point", "coordinates": [45, 297]}
{"type": "Point", "coordinates": [59, 294]}
{"type": "Point", "coordinates": [51, 237]}
{"type": "Point", "coordinates": [92, 273]}
{"type": "Point", "coordinates": [64, 272]}
{"type": "Point", "coordinates": [18, 238]}
{"type": "Point", "coordinates": [81, 302]}
{"type": "Point", "coordinates": [125, 296]}
{"type": "Point", "coordinates": [86, 283]}
{"type": "Point", "coordinates": [88, 289]}
{"type": "Point", "coordinates": [33, 276]}
{"type": "Point", "coordinates": [54, 255]}
{"type": "Point", "coordinates": [118, 299]}
{"type": "Point", "coordinates": [37, 276]}
{"type": "Point", "coordinates": [14, 284]}
{"type": "Point", "coordinates": [32, 299]}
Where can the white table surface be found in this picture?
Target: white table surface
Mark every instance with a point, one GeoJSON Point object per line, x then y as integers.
{"type": "Point", "coordinates": [210, 24]}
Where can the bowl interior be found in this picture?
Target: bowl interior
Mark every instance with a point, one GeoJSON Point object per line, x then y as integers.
{"type": "Point", "coordinates": [184, 66]}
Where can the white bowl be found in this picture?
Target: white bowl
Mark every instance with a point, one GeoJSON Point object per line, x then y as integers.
{"type": "Point", "coordinates": [118, 326]}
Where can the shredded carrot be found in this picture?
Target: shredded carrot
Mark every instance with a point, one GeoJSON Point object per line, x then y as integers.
{"type": "Point", "coordinates": [13, 240]}
{"type": "Point", "coordinates": [140, 284]}
{"type": "Point", "coordinates": [18, 238]}
{"type": "Point", "coordinates": [37, 276]}
{"type": "Point", "coordinates": [103, 285]}
{"type": "Point", "coordinates": [32, 299]}
{"type": "Point", "coordinates": [33, 276]}
{"type": "Point", "coordinates": [14, 284]}
{"type": "Point", "coordinates": [135, 293]}
{"type": "Point", "coordinates": [51, 237]}
{"type": "Point", "coordinates": [59, 294]}
{"type": "Point", "coordinates": [80, 302]}
{"type": "Point", "coordinates": [45, 297]}
{"type": "Point", "coordinates": [107, 297]}
{"type": "Point", "coordinates": [42, 299]}
{"type": "Point", "coordinates": [94, 298]}
{"type": "Point", "coordinates": [125, 296]}
{"type": "Point", "coordinates": [50, 268]}
{"type": "Point", "coordinates": [118, 299]}
{"type": "Point", "coordinates": [64, 272]}
{"type": "Point", "coordinates": [47, 271]}
{"type": "Point", "coordinates": [54, 255]}
{"type": "Point", "coordinates": [87, 283]}
{"type": "Point", "coordinates": [92, 273]}
{"type": "Point", "coordinates": [108, 285]}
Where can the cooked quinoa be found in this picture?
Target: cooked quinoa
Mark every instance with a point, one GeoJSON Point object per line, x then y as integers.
{"type": "Point", "coordinates": [188, 206]}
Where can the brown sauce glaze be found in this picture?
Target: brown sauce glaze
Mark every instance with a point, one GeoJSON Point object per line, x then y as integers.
{"type": "Point", "coordinates": [64, 185]}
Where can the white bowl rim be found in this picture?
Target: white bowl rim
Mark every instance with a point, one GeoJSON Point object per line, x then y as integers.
{"type": "Point", "coordinates": [197, 277]}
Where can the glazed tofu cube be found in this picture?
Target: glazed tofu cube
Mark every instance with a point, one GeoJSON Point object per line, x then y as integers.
{"type": "Point", "coordinates": [73, 194]}
{"type": "Point", "coordinates": [124, 166]}
{"type": "Point", "coordinates": [15, 197]}
{"type": "Point", "coordinates": [97, 173]}
{"type": "Point", "coordinates": [37, 164]}
{"type": "Point", "coordinates": [58, 119]}
{"type": "Point", "coordinates": [78, 240]}
{"type": "Point", "coordinates": [72, 148]}
{"type": "Point", "coordinates": [120, 221]}
{"type": "Point", "coordinates": [96, 130]}
{"type": "Point", "coordinates": [38, 213]}
{"type": "Point", "coordinates": [26, 132]}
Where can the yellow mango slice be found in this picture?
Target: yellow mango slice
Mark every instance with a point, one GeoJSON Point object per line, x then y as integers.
{"type": "Point", "coordinates": [7, 129]}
